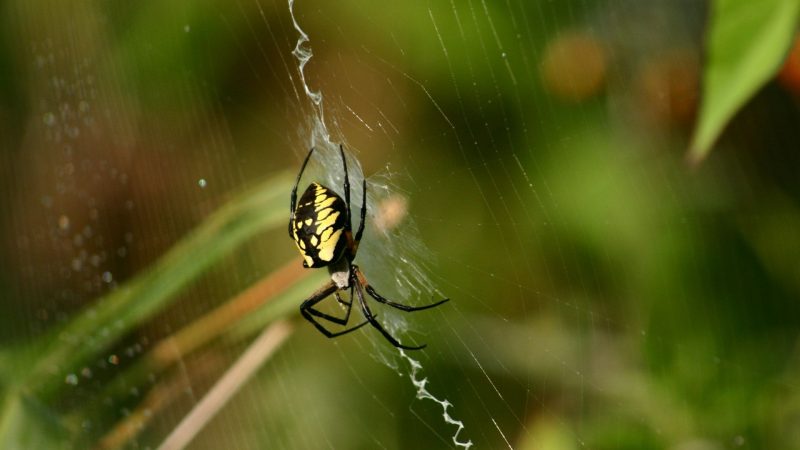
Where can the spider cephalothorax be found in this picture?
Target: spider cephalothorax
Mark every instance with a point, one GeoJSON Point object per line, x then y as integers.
{"type": "Point", "coordinates": [320, 224]}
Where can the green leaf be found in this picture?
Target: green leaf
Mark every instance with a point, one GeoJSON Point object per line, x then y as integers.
{"type": "Point", "coordinates": [91, 332]}
{"type": "Point", "coordinates": [27, 424]}
{"type": "Point", "coordinates": [747, 41]}
{"type": "Point", "coordinates": [31, 376]}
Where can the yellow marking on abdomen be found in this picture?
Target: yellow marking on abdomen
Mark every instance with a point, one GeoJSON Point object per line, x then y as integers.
{"type": "Point", "coordinates": [324, 202]}
{"type": "Point", "coordinates": [326, 234]}
{"type": "Point", "coordinates": [309, 260]}
{"type": "Point", "coordinates": [327, 247]}
{"type": "Point", "coordinates": [327, 222]}
{"type": "Point", "coordinates": [324, 213]}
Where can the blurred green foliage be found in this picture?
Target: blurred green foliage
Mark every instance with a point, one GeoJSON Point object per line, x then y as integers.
{"type": "Point", "coordinates": [605, 294]}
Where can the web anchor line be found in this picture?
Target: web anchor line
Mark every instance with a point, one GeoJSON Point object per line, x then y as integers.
{"type": "Point", "coordinates": [423, 393]}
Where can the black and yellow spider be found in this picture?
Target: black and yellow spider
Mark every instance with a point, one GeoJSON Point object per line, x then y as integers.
{"type": "Point", "coordinates": [321, 227]}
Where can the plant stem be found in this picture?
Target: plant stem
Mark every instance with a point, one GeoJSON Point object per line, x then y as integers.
{"type": "Point", "coordinates": [242, 370]}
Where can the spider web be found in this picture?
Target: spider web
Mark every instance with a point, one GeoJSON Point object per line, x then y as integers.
{"type": "Point", "coordinates": [523, 159]}
{"type": "Point", "coordinates": [411, 276]}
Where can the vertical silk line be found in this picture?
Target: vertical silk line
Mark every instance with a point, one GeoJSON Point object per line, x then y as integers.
{"type": "Point", "coordinates": [303, 54]}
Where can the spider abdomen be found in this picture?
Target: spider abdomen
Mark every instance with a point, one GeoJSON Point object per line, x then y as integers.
{"type": "Point", "coordinates": [318, 226]}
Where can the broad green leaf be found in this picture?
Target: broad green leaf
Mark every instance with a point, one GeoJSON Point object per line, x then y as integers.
{"type": "Point", "coordinates": [747, 41]}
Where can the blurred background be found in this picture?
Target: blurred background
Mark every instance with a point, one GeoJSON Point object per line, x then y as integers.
{"type": "Point", "coordinates": [526, 159]}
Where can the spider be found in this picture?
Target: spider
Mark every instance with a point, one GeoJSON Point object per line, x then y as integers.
{"type": "Point", "coordinates": [321, 227]}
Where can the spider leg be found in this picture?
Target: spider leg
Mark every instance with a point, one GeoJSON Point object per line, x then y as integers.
{"type": "Point", "coordinates": [372, 293]}
{"type": "Point", "coordinates": [334, 319]}
{"type": "Point", "coordinates": [293, 201]}
{"type": "Point", "coordinates": [371, 319]}
{"type": "Point", "coordinates": [400, 306]}
{"type": "Point", "coordinates": [348, 225]}
{"type": "Point", "coordinates": [307, 310]}
{"type": "Point", "coordinates": [363, 213]}
{"type": "Point", "coordinates": [342, 302]}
